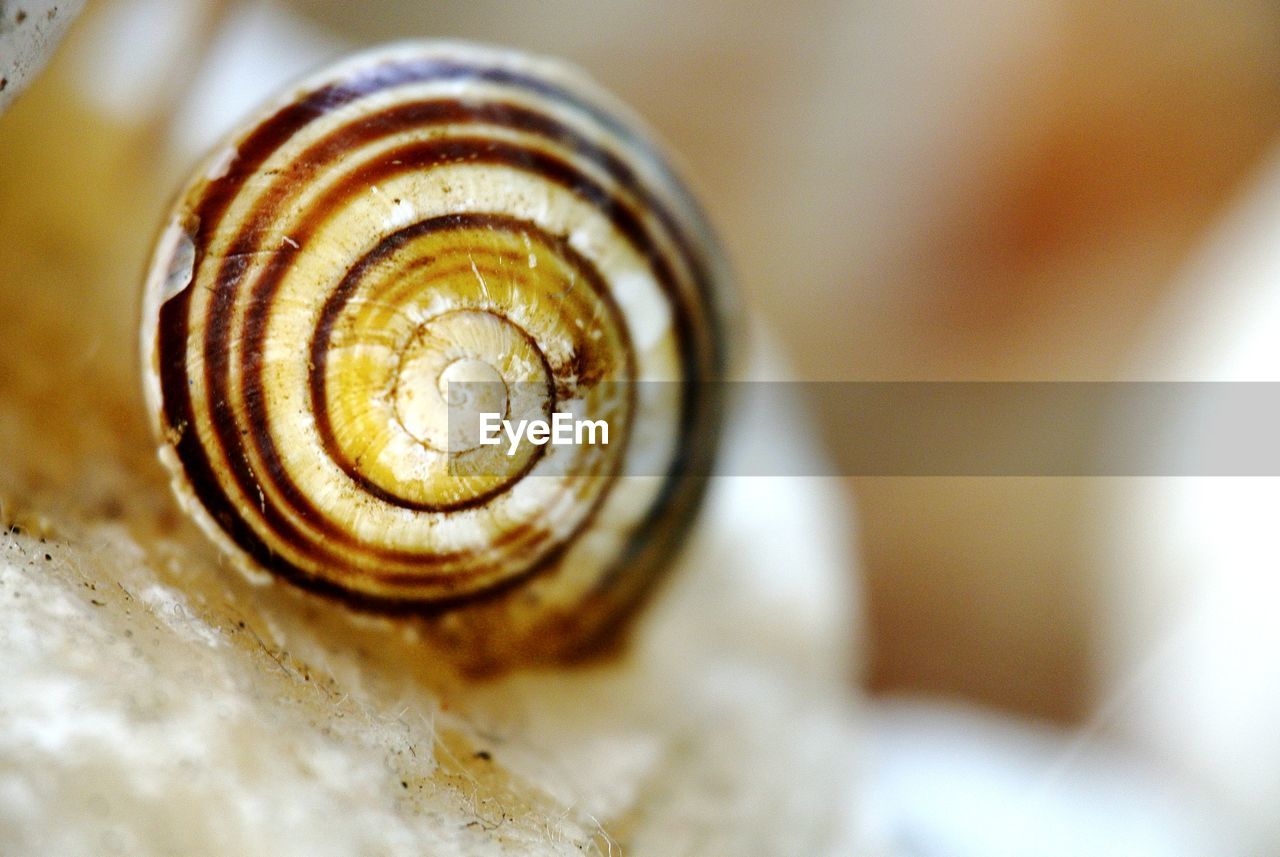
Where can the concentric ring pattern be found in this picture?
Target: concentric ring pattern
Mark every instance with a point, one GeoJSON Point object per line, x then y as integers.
{"type": "Point", "coordinates": [418, 216]}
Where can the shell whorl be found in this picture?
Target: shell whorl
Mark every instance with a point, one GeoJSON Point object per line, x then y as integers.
{"type": "Point", "coordinates": [416, 215]}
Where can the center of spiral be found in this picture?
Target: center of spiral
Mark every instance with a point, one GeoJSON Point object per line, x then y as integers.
{"type": "Point", "coordinates": [439, 397]}
{"type": "Point", "coordinates": [469, 374]}
{"type": "Point", "coordinates": [470, 388]}
{"type": "Point", "coordinates": [456, 368]}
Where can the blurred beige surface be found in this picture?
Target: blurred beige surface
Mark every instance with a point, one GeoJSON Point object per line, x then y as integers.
{"type": "Point", "coordinates": [1190, 580]}
{"type": "Point", "coordinates": [982, 190]}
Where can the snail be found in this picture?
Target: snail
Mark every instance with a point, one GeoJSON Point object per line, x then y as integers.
{"type": "Point", "coordinates": [413, 220]}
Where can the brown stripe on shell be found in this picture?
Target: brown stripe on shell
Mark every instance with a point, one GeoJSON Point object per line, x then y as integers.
{"type": "Point", "coordinates": [266, 139]}
{"type": "Point", "coordinates": [415, 156]}
{"type": "Point", "coordinates": [338, 298]}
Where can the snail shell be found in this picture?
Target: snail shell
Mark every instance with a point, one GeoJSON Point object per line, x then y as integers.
{"type": "Point", "coordinates": [419, 215]}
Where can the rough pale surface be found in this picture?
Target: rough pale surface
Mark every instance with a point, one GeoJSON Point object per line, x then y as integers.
{"type": "Point", "coordinates": [29, 32]}
{"type": "Point", "coordinates": [153, 703]}
{"type": "Point", "coordinates": [140, 716]}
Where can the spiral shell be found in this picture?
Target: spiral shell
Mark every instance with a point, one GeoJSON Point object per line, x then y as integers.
{"type": "Point", "coordinates": [419, 215]}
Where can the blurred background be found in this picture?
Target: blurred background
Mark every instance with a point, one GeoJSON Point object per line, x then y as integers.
{"type": "Point", "coordinates": [978, 190]}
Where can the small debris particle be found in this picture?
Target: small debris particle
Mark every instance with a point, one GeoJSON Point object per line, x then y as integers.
{"type": "Point", "coordinates": [484, 755]}
{"type": "Point", "coordinates": [404, 784]}
{"type": "Point", "coordinates": [21, 16]}
{"type": "Point", "coordinates": [241, 623]}
{"type": "Point", "coordinates": [48, 558]}
{"type": "Point", "coordinates": [4, 81]}
{"type": "Point", "coordinates": [96, 603]}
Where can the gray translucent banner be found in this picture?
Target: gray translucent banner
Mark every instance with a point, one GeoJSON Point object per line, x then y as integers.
{"type": "Point", "coordinates": [907, 428]}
